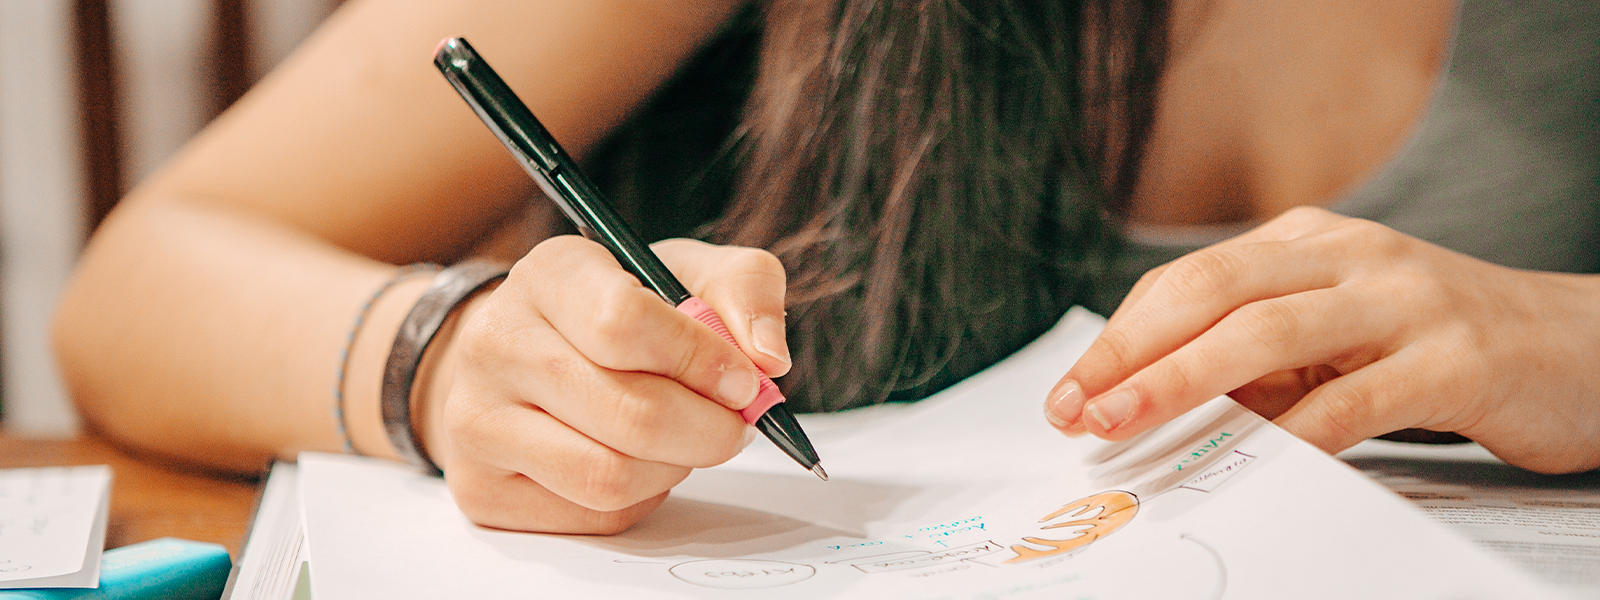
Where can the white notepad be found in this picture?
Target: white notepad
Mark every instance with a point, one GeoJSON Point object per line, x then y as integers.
{"type": "Point", "coordinates": [968, 494]}
{"type": "Point", "coordinates": [53, 526]}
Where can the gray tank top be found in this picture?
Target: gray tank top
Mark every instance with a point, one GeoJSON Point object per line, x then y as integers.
{"type": "Point", "coordinates": [1505, 166]}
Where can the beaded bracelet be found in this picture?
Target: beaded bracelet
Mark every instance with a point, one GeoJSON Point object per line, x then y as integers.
{"type": "Point", "coordinates": [451, 287]}
{"type": "Point", "coordinates": [400, 274]}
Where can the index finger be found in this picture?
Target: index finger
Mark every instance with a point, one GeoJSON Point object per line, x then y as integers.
{"type": "Point", "coordinates": [1176, 302]}
{"type": "Point", "coordinates": [1290, 225]}
{"type": "Point", "coordinates": [614, 321]}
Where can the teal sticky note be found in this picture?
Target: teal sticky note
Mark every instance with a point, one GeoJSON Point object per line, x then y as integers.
{"type": "Point", "coordinates": [167, 568]}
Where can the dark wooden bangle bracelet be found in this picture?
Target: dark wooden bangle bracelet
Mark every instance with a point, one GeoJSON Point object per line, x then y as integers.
{"type": "Point", "coordinates": [450, 288]}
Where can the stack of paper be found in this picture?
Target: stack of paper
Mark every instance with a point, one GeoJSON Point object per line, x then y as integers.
{"type": "Point", "coordinates": [968, 494]}
{"type": "Point", "coordinates": [53, 526]}
{"type": "Point", "coordinates": [274, 554]}
{"type": "Point", "coordinates": [1548, 525]}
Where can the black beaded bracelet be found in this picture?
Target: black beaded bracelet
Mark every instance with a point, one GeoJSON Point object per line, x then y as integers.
{"type": "Point", "coordinates": [450, 288]}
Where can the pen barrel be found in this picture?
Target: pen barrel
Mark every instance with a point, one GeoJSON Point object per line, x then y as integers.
{"type": "Point", "coordinates": [769, 395]}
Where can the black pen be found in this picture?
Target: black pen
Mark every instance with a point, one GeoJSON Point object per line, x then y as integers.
{"type": "Point", "coordinates": [581, 202]}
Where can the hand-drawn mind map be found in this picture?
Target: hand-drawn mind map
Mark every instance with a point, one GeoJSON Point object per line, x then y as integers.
{"type": "Point", "coordinates": [1066, 530]}
{"type": "Point", "coordinates": [1061, 534]}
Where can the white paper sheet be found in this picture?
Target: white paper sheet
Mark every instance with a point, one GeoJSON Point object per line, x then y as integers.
{"type": "Point", "coordinates": [1548, 525]}
{"type": "Point", "coordinates": [965, 495]}
{"type": "Point", "coordinates": [273, 551]}
{"type": "Point", "coordinates": [53, 526]}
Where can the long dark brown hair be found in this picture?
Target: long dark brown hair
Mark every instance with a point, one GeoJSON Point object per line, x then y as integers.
{"type": "Point", "coordinates": [938, 176]}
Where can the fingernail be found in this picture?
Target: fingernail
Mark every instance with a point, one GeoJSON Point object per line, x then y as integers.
{"type": "Point", "coordinates": [1070, 429]}
{"type": "Point", "coordinates": [1111, 410]}
{"type": "Point", "coordinates": [1064, 406]}
{"type": "Point", "coordinates": [737, 388]}
{"type": "Point", "coordinates": [766, 333]}
{"type": "Point", "coordinates": [749, 436]}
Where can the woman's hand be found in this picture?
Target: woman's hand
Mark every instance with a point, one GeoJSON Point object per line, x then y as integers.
{"type": "Point", "coordinates": [579, 397]}
{"type": "Point", "coordinates": [1340, 330]}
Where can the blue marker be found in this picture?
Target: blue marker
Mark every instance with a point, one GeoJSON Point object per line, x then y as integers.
{"type": "Point", "coordinates": [166, 568]}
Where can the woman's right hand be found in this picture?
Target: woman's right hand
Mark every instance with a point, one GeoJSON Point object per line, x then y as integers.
{"type": "Point", "coordinates": [579, 398]}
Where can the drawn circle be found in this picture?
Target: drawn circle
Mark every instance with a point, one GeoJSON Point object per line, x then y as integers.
{"type": "Point", "coordinates": [741, 574]}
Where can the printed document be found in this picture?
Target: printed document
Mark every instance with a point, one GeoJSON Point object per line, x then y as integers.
{"type": "Point", "coordinates": [1546, 524]}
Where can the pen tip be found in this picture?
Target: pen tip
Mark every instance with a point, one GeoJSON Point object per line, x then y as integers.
{"type": "Point", "coordinates": [820, 473]}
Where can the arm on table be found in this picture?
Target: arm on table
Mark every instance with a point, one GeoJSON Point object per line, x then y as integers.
{"type": "Point", "coordinates": [209, 311]}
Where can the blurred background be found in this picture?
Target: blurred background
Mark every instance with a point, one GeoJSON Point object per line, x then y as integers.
{"type": "Point", "coordinates": [94, 95]}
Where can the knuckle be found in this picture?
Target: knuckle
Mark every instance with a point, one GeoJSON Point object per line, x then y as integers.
{"type": "Point", "coordinates": [1205, 274]}
{"type": "Point", "coordinates": [635, 417]}
{"type": "Point", "coordinates": [1344, 408]}
{"type": "Point", "coordinates": [1424, 293]}
{"type": "Point", "coordinates": [616, 317]}
{"type": "Point", "coordinates": [1461, 354]}
{"type": "Point", "coordinates": [746, 275]}
{"type": "Point", "coordinates": [1273, 325]}
{"type": "Point", "coordinates": [1118, 349]}
{"type": "Point", "coordinates": [1366, 227]}
{"type": "Point", "coordinates": [1140, 287]}
{"type": "Point", "coordinates": [685, 365]}
{"type": "Point", "coordinates": [1306, 214]}
{"type": "Point", "coordinates": [1466, 347]}
{"type": "Point", "coordinates": [550, 253]}
{"type": "Point", "coordinates": [1370, 238]}
{"type": "Point", "coordinates": [1413, 287]}
{"type": "Point", "coordinates": [466, 421]}
{"type": "Point", "coordinates": [607, 482]}
{"type": "Point", "coordinates": [679, 245]}
{"type": "Point", "coordinates": [484, 341]}
{"type": "Point", "coordinates": [527, 267]}
{"type": "Point", "coordinates": [559, 366]}
{"type": "Point", "coordinates": [754, 259]}
{"type": "Point", "coordinates": [1180, 377]}
{"type": "Point", "coordinates": [702, 364]}
{"type": "Point", "coordinates": [561, 244]}
{"type": "Point", "coordinates": [1149, 277]}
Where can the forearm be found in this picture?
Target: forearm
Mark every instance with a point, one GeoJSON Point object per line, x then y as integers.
{"type": "Point", "coordinates": [216, 337]}
{"type": "Point", "coordinates": [209, 312]}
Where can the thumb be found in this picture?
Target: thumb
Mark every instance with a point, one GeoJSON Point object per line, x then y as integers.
{"type": "Point", "coordinates": [745, 286]}
{"type": "Point", "coordinates": [1349, 409]}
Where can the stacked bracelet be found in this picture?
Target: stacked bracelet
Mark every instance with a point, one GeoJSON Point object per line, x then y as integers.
{"type": "Point", "coordinates": [401, 274]}
{"type": "Point", "coordinates": [450, 288]}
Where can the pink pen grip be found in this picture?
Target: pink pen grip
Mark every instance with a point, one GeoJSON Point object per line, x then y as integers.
{"type": "Point", "coordinates": [769, 395]}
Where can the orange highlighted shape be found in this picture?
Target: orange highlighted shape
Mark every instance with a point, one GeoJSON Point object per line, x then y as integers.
{"type": "Point", "coordinates": [1110, 510]}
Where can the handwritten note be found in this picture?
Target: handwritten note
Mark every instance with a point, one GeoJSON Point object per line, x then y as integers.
{"type": "Point", "coordinates": [966, 495]}
{"type": "Point", "coordinates": [52, 526]}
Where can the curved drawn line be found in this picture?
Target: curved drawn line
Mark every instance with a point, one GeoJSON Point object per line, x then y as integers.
{"type": "Point", "coordinates": [1222, 568]}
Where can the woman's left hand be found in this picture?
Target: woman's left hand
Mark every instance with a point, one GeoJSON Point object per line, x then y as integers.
{"type": "Point", "coordinates": [1340, 330]}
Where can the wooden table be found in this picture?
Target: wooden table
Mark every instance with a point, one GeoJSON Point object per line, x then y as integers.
{"type": "Point", "coordinates": [150, 498]}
